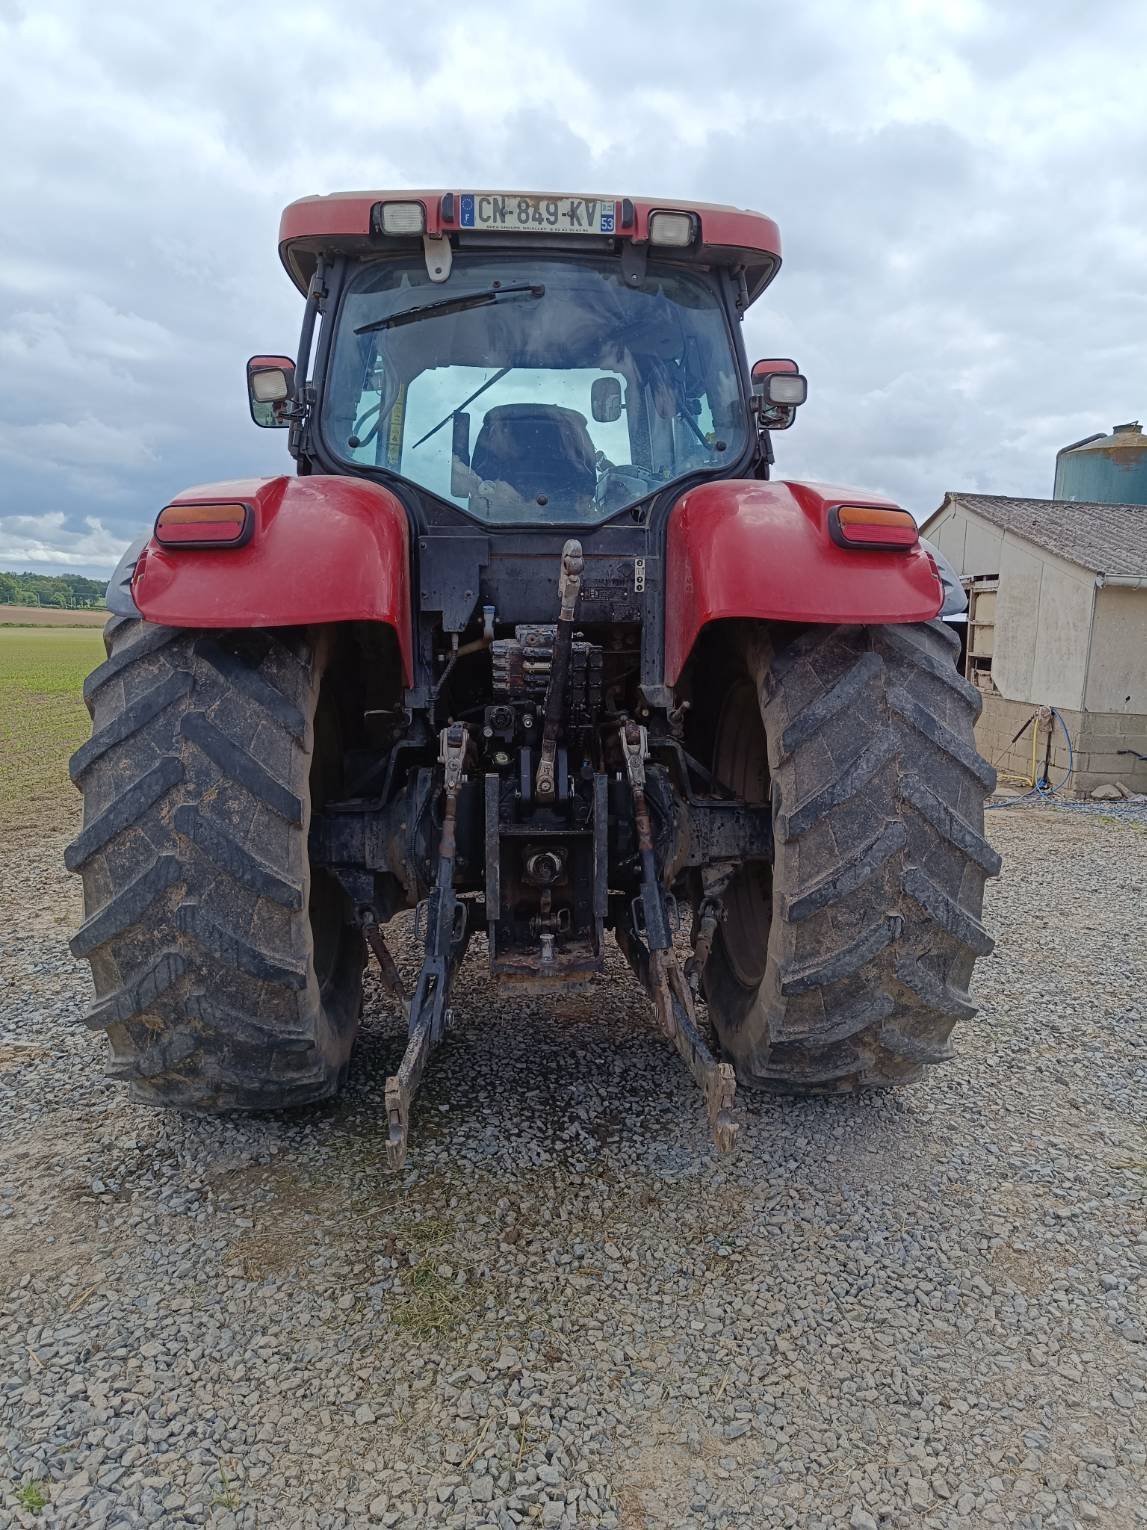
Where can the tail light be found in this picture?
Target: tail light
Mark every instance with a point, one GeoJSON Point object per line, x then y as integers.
{"type": "Point", "coordinates": [868, 526]}
{"type": "Point", "coordinates": [210, 525]}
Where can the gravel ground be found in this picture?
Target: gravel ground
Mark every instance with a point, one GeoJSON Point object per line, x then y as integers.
{"type": "Point", "coordinates": [920, 1309]}
{"type": "Point", "coordinates": [1128, 810]}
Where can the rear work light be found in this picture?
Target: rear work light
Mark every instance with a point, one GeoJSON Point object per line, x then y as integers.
{"type": "Point", "coordinates": [788, 388]}
{"type": "Point", "coordinates": [672, 228]}
{"type": "Point", "coordinates": [402, 217]}
{"type": "Point", "coordinates": [224, 525]}
{"type": "Point", "coordinates": [868, 526]}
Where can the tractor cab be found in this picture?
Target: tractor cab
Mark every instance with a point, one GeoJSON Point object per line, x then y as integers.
{"type": "Point", "coordinates": [526, 360]}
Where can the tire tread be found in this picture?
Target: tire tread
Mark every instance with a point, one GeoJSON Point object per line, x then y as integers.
{"type": "Point", "coordinates": [880, 860]}
{"type": "Point", "coordinates": [196, 875]}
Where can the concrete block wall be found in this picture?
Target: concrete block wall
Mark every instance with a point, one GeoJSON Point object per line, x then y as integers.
{"type": "Point", "coordinates": [1098, 757]}
{"type": "Point", "coordinates": [1096, 740]}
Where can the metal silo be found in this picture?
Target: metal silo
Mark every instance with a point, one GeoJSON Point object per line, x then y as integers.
{"type": "Point", "coordinates": [1110, 470]}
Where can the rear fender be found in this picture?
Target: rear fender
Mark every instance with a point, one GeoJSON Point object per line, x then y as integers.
{"type": "Point", "coordinates": [323, 549]}
{"type": "Point", "coordinates": [747, 548]}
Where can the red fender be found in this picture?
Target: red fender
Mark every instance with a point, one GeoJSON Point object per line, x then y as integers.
{"type": "Point", "coordinates": [747, 548]}
{"type": "Point", "coordinates": [323, 549]}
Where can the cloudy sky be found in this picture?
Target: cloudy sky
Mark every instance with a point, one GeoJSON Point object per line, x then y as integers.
{"type": "Point", "coordinates": [960, 186]}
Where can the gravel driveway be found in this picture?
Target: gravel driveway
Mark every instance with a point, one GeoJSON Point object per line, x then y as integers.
{"type": "Point", "coordinates": [924, 1309]}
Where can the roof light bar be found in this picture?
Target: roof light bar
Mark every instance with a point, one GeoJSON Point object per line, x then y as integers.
{"type": "Point", "coordinates": [873, 527]}
{"type": "Point", "coordinates": [678, 229]}
{"type": "Point", "coordinates": [207, 525]}
{"type": "Point", "coordinates": [402, 218]}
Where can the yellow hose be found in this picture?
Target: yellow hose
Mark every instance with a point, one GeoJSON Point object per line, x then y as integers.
{"type": "Point", "coordinates": [1013, 776]}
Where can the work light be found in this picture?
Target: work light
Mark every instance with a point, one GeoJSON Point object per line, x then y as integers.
{"type": "Point", "coordinates": [402, 217]}
{"type": "Point", "coordinates": [786, 388]}
{"type": "Point", "coordinates": [673, 228]}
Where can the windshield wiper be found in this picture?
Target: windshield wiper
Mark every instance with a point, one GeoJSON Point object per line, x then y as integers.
{"type": "Point", "coordinates": [489, 383]}
{"type": "Point", "coordinates": [453, 305]}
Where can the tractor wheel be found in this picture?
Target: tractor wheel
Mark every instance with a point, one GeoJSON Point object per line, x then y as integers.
{"type": "Point", "coordinates": [225, 974]}
{"type": "Point", "coordinates": [847, 963]}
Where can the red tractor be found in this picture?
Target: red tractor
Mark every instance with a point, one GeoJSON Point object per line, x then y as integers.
{"type": "Point", "coordinates": [533, 644]}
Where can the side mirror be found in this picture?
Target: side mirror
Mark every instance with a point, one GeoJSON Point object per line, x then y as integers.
{"type": "Point", "coordinates": [270, 387]}
{"type": "Point", "coordinates": [605, 400]}
{"type": "Point", "coordinates": [778, 391]}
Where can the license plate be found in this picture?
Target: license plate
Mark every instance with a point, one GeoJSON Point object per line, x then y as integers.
{"type": "Point", "coordinates": [536, 215]}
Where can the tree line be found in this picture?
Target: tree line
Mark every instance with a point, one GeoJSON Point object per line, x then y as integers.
{"type": "Point", "coordinates": [67, 590]}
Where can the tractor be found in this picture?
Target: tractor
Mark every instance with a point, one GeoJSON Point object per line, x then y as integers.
{"type": "Point", "coordinates": [531, 643]}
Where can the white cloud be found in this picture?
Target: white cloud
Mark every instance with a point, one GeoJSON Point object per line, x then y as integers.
{"type": "Point", "coordinates": [27, 540]}
{"type": "Point", "coordinates": [86, 442]}
{"type": "Point", "coordinates": [958, 186]}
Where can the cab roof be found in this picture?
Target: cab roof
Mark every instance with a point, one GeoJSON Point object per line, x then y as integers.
{"type": "Point", "coordinates": [345, 222]}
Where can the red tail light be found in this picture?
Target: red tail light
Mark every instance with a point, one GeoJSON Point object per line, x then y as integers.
{"type": "Point", "coordinates": [211, 525]}
{"type": "Point", "coordinates": [868, 526]}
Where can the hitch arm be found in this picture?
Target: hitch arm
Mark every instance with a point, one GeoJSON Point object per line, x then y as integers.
{"type": "Point", "coordinates": [388, 970]}
{"type": "Point", "coordinates": [673, 1002]}
{"type": "Point", "coordinates": [656, 961]}
{"type": "Point", "coordinates": [447, 934]}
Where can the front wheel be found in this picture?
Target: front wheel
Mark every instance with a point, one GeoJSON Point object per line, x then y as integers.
{"type": "Point", "coordinates": [847, 963]}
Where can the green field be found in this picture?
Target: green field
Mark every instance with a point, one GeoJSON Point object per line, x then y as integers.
{"type": "Point", "coordinates": [42, 719]}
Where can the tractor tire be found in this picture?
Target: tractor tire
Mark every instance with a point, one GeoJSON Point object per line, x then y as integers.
{"type": "Point", "coordinates": [225, 974]}
{"type": "Point", "coordinates": [846, 963]}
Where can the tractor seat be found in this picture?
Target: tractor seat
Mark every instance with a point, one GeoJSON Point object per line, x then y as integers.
{"type": "Point", "coordinates": [530, 452]}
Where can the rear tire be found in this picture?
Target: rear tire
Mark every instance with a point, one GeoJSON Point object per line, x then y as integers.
{"type": "Point", "coordinates": [847, 963]}
{"type": "Point", "coordinates": [225, 974]}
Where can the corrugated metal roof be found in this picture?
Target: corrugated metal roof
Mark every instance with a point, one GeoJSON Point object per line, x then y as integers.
{"type": "Point", "coordinates": [1108, 539]}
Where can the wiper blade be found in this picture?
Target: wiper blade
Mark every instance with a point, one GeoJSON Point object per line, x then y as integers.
{"type": "Point", "coordinates": [453, 305]}
{"type": "Point", "coordinates": [477, 393]}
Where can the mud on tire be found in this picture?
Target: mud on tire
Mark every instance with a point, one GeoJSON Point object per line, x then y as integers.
{"type": "Point", "coordinates": [849, 964]}
{"type": "Point", "coordinates": [225, 976]}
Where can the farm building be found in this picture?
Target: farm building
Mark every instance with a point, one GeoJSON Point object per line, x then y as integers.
{"type": "Point", "coordinates": [1057, 619]}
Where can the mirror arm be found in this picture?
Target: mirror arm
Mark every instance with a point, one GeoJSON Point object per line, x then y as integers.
{"type": "Point", "coordinates": [770, 416]}
{"type": "Point", "coordinates": [764, 436]}
{"type": "Point", "coordinates": [300, 402]}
